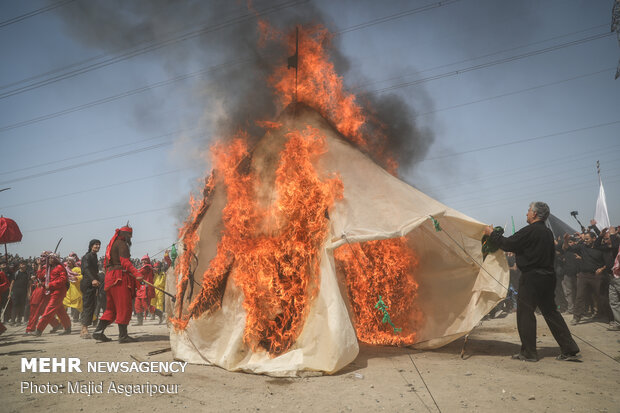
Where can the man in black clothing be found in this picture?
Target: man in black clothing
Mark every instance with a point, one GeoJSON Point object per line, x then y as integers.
{"type": "Point", "coordinates": [89, 285]}
{"type": "Point", "coordinates": [535, 252]}
{"type": "Point", "coordinates": [591, 267]}
{"type": "Point", "coordinates": [21, 284]}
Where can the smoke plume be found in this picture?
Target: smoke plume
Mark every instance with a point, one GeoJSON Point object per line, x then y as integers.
{"type": "Point", "coordinates": [221, 36]}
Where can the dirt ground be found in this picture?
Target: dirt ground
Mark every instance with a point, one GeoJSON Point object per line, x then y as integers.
{"type": "Point", "coordinates": [381, 378]}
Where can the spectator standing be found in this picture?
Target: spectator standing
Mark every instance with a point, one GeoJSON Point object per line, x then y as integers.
{"type": "Point", "coordinates": [89, 285]}
{"type": "Point", "coordinates": [591, 267]}
{"type": "Point", "coordinates": [19, 293]}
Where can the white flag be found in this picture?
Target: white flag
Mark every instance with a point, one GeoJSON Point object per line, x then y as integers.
{"type": "Point", "coordinates": [601, 216]}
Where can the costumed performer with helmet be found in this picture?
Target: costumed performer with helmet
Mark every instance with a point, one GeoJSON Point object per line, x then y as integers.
{"type": "Point", "coordinates": [121, 279]}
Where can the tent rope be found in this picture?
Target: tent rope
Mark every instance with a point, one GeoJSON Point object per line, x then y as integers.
{"type": "Point", "coordinates": [436, 224]}
{"type": "Point", "coordinates": [411, 386]}
{"type": "Point", "coordinates": [427, 389]}
{"type": "Point", "coordinates": [344, 235]}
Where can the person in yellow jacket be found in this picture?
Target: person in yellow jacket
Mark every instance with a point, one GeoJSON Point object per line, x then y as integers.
{"type": "Point", "coordinates": [160, 282]}
{"type": "Point", "coordinates": [73, 299]}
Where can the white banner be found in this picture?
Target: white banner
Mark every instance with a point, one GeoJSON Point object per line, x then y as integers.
{"type": "Point", "coordinates": [601, 216]}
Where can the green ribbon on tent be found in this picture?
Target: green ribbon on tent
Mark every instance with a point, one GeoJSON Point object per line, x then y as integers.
{"type": "Point", "coordinates": [173, 254]}
{"type": "Point", "coordinates": [488, 246]}
{"type": "Point", "coordinates": [382, 306]}
{"type": "Point", "coordinates": [435, 224]}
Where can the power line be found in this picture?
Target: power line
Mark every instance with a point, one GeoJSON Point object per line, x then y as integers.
{"type": "Point", "coordinates": [34, 13]}
{"type": "Point", "coordinates": [155, 46]}
{"type": "Point", "coordinates": [518, 171]}
{"type": "Point", "coordinates": [508, 189]}
{"type": "Point", "coordinates": [74, 64]}
{"type": "Point", "coordinates": [147, 211]}
{"type": "Point", "coordinates": [97, 152]}
{"type": "Point", "coordinates": [395, 16]}
{"type": "Point", "coordinates": [516, 92]}
{"type": "Point", "coordinates": [116, 97]}
{"type": "Point", "coordinates": [114, 185]}
{"type": "Point", "coordinates": [542, 187]}
{"type": "Point", "coordinates": [87, 163]}
{"type": "Point", "coordinates": [187, 76]}
{"type": "Point", "coordinates": [490, 64]}
{"type": "Point", "coordinates": [231, 22]}
{"type": "Point", "coordinates": [422, 114]}
{"type": "Point", "coordinates": [572, 188]}
{"type": "Point", "coordinates": [486, 55]}
{"type": "Point", "coordinates": [485, 148]}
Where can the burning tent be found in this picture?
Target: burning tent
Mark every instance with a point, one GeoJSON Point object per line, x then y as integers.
{"type": "Point", "coordinates": [302, 245]}
{"type": "Point", "coordinates": [336, 233]}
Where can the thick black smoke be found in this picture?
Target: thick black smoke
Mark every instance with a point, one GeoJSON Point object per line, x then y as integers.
{"type": "Point", "coordinates": [187, 35]}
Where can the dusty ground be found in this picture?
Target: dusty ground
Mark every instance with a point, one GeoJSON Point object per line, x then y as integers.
{"type": "Point", "coordinates": [380, 379]}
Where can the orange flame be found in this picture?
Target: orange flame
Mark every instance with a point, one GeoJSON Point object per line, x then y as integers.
{"type": "Point", "coordinates": [383, 268]}
{"type": "Point", "coordinates": [277, 269]}
{"type": "Point", "coordinates": [272, 252]}
{"type": "Point", "coordinates": [317, 84]}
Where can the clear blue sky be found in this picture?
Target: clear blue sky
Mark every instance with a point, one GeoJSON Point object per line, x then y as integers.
{"type": "Point", "coordinates": [519, 97]}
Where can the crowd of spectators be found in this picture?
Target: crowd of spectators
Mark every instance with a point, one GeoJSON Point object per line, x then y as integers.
{"type": "Point", "coordinates": [587, 267]}
{"type": "Point", "coordinates": [21, 273]}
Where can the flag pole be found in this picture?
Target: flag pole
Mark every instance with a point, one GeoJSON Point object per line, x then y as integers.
{"type": "Point", "coordinates": [296, 54]}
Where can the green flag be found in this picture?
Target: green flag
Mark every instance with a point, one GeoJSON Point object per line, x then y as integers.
{"type": "Point", "coordinates": [173, 254]}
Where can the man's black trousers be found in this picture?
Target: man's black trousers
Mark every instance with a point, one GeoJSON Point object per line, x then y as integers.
{"type": "Point", "coordinates": [537, 290]}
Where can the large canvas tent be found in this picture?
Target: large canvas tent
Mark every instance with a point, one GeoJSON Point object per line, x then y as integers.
{"type": "Point", "coordinates": [454, 292]}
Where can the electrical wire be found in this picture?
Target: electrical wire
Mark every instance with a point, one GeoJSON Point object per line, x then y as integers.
{"type": "Point", "coordinates": [495, 53]}
{"type": "Point", "coordinates": [516, 92]}
{"type": "Point", "coordinates": [535, 138]}
{"type": "Point", "coordinates": [71, 224]}
{"type": "Point", "coordinates": [97, 188]}
{"type": "Point", "coordinates": [187, 76]}
{"type": "Point", "coordinates": [490, 64]}
{"type": "Point", "coordinates": [94, 161]}
{"type": "Point", "coordinates": [34, 13]}
{"type": "Point", "coordinates": [128, 51]}
{"type": "Point", "coordinates": [149, 48]}
{"type": "Point", "coordinates": [98, 151]}
{"type": "Point", "coordinates": [112, 98]}
{"type": "Point", "coordinates": [392, 17]}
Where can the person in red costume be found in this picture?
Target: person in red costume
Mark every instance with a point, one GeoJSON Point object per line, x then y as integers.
{"type": "Point", "coordinates": [145, 292]}
{"type": "Point", "coordinates": [121, 279]}
{"type": "Point", "coordinates": [55, 289]}
{"type": "Point", "coordinates": [38, 298]}
{"type": "Point", "coordinates": [4, 286]}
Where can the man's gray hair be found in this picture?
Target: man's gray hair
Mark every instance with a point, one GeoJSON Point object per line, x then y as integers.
{"type": "Point", "coordinates": [541, 209]}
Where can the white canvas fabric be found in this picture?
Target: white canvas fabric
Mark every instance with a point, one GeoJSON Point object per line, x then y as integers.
{"type": "Point", "coordinates": [454, 292]}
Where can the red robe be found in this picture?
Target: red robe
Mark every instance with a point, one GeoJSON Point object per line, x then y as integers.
{"type": "Point", "coordinates": [145, 292]}
{"type": "Point", "coordinates": [57, 290]}
{"type": "Point", "coordinates": [120, 282]}
{"type": "Point", "coordinates": [38, 302]}
{"type": "Point", "coordinates": [4, 285]}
